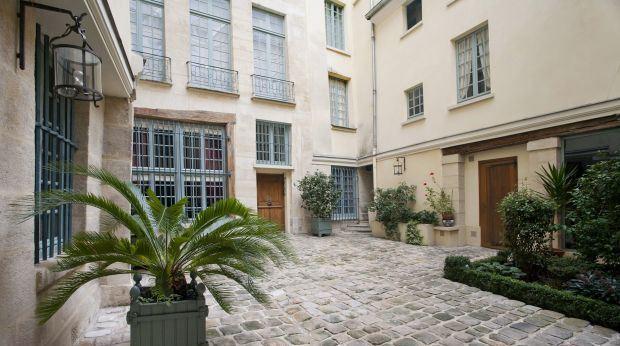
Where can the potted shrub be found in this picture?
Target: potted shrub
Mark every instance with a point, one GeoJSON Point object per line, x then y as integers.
{"type": "Point", "coordinates": [426, 221]}
{"type": "Point", "coordinates": [224, 240]}
{"type": "Point", "coordinates": [392, 207]}
{"type": "Point", "coordinates": [319, 196]}
{"type": "Point", "coordinates": [440, 202]}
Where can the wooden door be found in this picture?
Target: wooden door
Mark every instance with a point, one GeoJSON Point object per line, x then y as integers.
{"type": "Point", "coordinates": [271, 197]}
{"type": "Point", "coordinates": [497, 178]}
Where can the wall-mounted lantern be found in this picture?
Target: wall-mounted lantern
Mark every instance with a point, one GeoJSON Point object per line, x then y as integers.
{"type": "Point", "coordinates": [77, 69]}
{"type": "Point", "coordinates": [399, 165]}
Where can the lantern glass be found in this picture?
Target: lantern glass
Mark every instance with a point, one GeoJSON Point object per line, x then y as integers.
{"type": "Point", "coordinates": [77, 73]}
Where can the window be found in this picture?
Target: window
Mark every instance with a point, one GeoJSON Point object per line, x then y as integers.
{"type": "Point", "coordinates": [413, 13]}
{"type": "Point", "coordinates": [345, 179]}
{"type": "Point", "coordinates": [338, 102]}
{"type": "Point", "coordinates": [53, 146]}
{"type": "Point", "coordinates": [415, 101]}
{"type": "Point", "coordinates": [334, 25]}
{"type": "Point", "coordinates": [178, 160]}
{"type": "Point", "coordinates": [147, 35]}
{"type": "Point", "coordinates": [210, 45]}
{"type": "Point", "coordinates": [472, 65]}
{"type": "Point", "coordinates": [273, 143]}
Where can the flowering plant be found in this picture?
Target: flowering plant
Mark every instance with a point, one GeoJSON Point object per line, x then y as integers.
{"type": "Point", "coordinates": [438, 199]}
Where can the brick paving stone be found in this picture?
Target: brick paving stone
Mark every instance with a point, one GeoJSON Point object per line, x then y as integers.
{"type": "Point", "coordinates": [340, 293]}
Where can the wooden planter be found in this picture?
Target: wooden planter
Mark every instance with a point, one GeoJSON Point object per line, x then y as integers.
{"type": "Point", "coordinates": [321, 227]}
{"type": "Point", "coordinates": [180, 323]}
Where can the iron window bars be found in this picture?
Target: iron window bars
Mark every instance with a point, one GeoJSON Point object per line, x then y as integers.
{"type": "Point", "coordinates": [54, 145]}
{"type": "Point", "coordinates": [345, 179]}
{"type": "Point", "coordinates": [177, 160]}
{"type": "Point", "coordinates": [415, 101]}
{"type": "Point", "coordinates": [472, 65]}
{"type": "Point", "coordinates": [273, 143]}
{"type": "Point", "coordinates": [212, 78]}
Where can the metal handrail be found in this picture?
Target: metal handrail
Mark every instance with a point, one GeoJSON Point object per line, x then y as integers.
{"type": "Point", "coordinates": [212, 77]}
{"type": "Point", "coordinates": [273, 88]}
{"type": "Point", "coordinates": [156, 67]}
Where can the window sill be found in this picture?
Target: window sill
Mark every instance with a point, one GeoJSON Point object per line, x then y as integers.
{"type": "Point", "coordinates": [214, 91]}
{"type": "Point", "coordinates": [262, 166]}
{"type": "Point", "coordinates": [413, 120]}
{"type": "Point", "coordinates": [339, 51]}
{"type": "Point", "coordinates": [276, 101]}
{"type": "Point", "coordinates": [344, 128]}
{"type": "Point", "coordinates": [471, 101]}
{"type": "Point", "coordinates": [410, 30]}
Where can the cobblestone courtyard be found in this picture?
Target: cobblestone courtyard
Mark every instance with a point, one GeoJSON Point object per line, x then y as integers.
{"type": "Point", "coordinates": [353, 289]}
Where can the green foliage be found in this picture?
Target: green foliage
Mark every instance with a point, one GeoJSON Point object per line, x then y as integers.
{"type": "Point", "coordinates": [392, 207]}
{"type": "Point", "coordinates": [563, 269]}
{"type": "Point", "coordinates": [595, 214]}
{"type": "Point", "coordinates": [426, 217]}
{"type": "Point", "coordinates": [438, 199]}
{"type": "Point", "coordinates": [318, 194]}
{"type": "Point", "coordinates": [501, 269]}
{"type": "Point", "coordinates": [413, 233]}
{"type": "Point", "coordinates": [558, 182]}
{"type": "Point", "coordinates": [504, 256]}
{"type": "Point", "coordinates": [225, 240]}
{"type": "Point", "coordinates": [527, 219]}
{"type": "Point", "coordinates": [596, 285]}
{"type": "Point", "coordinates": [456, 268]}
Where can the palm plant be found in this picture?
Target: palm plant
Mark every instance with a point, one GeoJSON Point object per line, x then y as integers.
{"type": "Point", "coordinates": [558, 182]}
{"type": "Point", "coordinates": [224, 240]}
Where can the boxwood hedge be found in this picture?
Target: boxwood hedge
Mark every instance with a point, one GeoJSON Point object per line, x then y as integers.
{"type": "Point", "coordinates": [458, 268]}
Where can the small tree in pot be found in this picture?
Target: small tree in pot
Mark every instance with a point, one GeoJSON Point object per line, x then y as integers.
{"type": "Point", "coordinates": [225, 240]}
{"type": "Point", "coordinates": [319, 196]}
{"type": "Point", "coordinates": [440, 202]}
{"type": "Point", "coordinates": [392, 207]}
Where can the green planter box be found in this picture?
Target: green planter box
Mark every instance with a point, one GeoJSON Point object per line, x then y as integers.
{"type": "Point", "coordinates": [321, 227]}
{"type": "Point", "coordinates": [179, 323]}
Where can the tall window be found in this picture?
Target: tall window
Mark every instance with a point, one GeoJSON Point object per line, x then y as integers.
{"type": "Point", "coordinates": [147, 35]}
{"type": "Point", "coordinates": [472, 64]}
{"type": "Point", "coordinates": [338, 102]}
{"type": "Point", "coordinates": [334, 24]}
{"type": "Point", "coordinates": [415, 101]}
{"type": "Point", "coordinates": [269, 58]}
{"type": "Point", "coordinates": [210, 44]}
{"type": "Point", "coordinates": [273, 143]}
{"type": "Point", "coordinates": [413, 13]}
{"type": "Point", "coordinates": [345, 179]}
{"type": "Point", "coordinates": [53, 139]}
{"type": "Point", "coordinates": [178, 160]}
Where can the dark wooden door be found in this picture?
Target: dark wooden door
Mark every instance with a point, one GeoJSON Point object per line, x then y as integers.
{"type": "Point", "coordinates": [271, 197]}
{"type": "Point", "coordinates": [497, 178]}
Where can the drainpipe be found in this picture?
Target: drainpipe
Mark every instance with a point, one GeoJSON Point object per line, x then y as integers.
{"type": "Point", "coordinates": [374, 106]}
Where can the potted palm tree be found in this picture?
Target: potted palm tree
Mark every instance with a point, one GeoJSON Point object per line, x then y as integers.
{"type": "Point", "coordinates": [319, 196]}
{"type": "Point", "coordinates": [225, 240]}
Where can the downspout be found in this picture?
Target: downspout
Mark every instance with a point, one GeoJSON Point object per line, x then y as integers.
{"type": "Point", "coordinates": [374, 106]}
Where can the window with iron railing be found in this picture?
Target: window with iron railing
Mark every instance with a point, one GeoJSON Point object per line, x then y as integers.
{"type": "Point", "coordinates": [472, 65]}
{"type": "Point", "coordinates": [178, 160]}
{"type": "Point", "coordinates": [273, 143]}
{"type": "Point", "coordinates": [147, 34]}
{"type": "Point", "coordinates": [334, 24]}
{"type": "Point", "coordinates": [53, 146]}
{"type": "Point", "coordinates": [345, 179]}
{"type": "Point", "coordinates": [210, 43]}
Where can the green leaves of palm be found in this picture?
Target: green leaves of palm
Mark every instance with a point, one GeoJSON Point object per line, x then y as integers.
{"type": "Point", "coordinates": [558, 183]}
{"type": "Point", "coordinates": [225, 240]}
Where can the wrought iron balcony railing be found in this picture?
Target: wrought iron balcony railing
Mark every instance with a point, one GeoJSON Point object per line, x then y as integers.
{"type": "Point", "coordinates": [273, 89]}
{"type": "Point", "coordinates": [156, 68]}
{"type": "Point", "coordinates": [212, 78]}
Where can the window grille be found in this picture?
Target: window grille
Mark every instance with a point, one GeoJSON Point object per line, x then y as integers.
{"type": "Point", "coordinates": [54, 145]}
{"type": "Point", "coordinates": [178, 160]}
{"type": "Point", "coordinates": [147, 34]}
{"type": "Point", "coordinates": [415, 101]}
{"type": "Point", "coordinates": [472, 65]}
{"type": "Point", "coordinates": [338, 102]}
{"type": "Point", "coordinates": [334, 25]}
{"type": "Point", "coordinates": [273, 143]}
{"type": "Point", "coordinates": [345, 179]}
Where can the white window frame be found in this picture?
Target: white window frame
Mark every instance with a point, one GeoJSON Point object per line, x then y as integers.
{"type": "Point", "coordinates": [466, 48]}
{"type": "Point", "coordinates": [334, 28]}
{"type": "Point", "coordinates": [405, 17]}
{"type": "Point", "coordinates": [270, 151]}
{"type": "Point", "coordinates": [414, 101]}
{"type": "Point", "coordinates": [211, 18]}
{"type": "Point", "coordinates": [339, 104]}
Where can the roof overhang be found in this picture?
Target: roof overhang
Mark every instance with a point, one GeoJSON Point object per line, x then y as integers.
{"type": "Point", "coordinates": [102, 35]}
{"type": "Point", "coordinates": [380, 9]}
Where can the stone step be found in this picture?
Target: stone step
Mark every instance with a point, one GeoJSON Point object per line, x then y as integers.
{"type": "Point", "coordinates": [362, 227]}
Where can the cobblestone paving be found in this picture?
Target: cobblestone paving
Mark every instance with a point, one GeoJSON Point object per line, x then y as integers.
{"type": "Point", "coordinates": [352, 289]}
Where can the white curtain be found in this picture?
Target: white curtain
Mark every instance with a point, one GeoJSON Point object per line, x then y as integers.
{"type": "Point", "coordinates": [482, 45]}
{"type": "Point", "coordinates": [465, 66]}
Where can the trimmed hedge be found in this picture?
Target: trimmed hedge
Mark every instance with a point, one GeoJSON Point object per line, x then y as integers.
{"type": "Point", "coordinates": [457, 268]}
